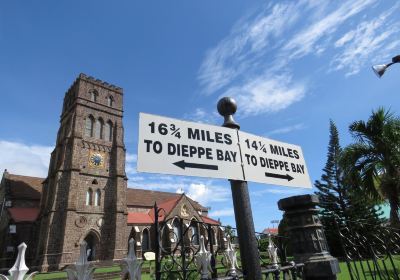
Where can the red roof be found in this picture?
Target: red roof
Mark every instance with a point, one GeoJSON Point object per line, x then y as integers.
{"type": "Point", "coordinates": [273, 231]}
{"type": "Point", "coordinates": [24, 214]}
{"type": "Point", "coordinates": [210, 221]}
{"type": "Point", "coordinates": [139, 218]}
{"type": "Point", "coordinates": [167, 206]}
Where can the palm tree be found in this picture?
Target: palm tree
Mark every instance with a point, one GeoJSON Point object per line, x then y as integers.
{"type": "Point", "coordinates": [376, 158]}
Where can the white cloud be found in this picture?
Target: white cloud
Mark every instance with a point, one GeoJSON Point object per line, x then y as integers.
{"type": "Point", "coordinates": [286, 191]}
{"type": "Point", "coordinates": [286, 129]}
{"type": "Point", "coordinates": [267, 94]}
{"type": "Point", "coordinates": [226, 212]}
{"type": "Point", "coordinates": [130, 165]}
{"type": "Point", "coordinates": [304, 42]}
{"type": "Point", "coordinates": [367, 39]}
{"type": "Point", "coordinates": [207, 194]}
{"type": "Point", "coordinates": [23, 159]}
{"type": "Point", "coordinates": [132, 158]}
{"type": "Point", "coordinates": [258, 62]}
{"type": "Point", "coordinates": [200, 115]}
{"type": "Point", "coordinates": [249, 39]}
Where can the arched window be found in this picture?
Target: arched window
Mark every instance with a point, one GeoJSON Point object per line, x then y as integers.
{"type": "Point", "coordinates": [177, 230]}
{"type": "Point", "coordinates": [89, 195]}
{"type": "Point", "coordinates": [213, 237]}
{"type": "Point", "coordinates": [97, 197]}
{"type": "Point", "coordinates": [89, 126]}
{"type": "Point", "coordinates": [195, 233]}
{"type": "Point", "coordinates": [109, 128]}
{"type": "Point", "coordinates": [145, 240]}
{"type": "Point", "coordinates": [99, 129]}
{"type": "Point", "coordinates": [93, 95]}
{"type": "Point", "coordinates": [110, 101]}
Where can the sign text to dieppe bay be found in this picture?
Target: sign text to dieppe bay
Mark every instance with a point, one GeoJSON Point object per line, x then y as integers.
{"type": "Point", "coordinates": [171, 146]}
{"type": "Point", "coordinates": [273, 162]}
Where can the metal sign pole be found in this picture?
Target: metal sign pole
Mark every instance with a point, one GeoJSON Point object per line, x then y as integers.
{"type": "Point", "coordinates": [249, 254]}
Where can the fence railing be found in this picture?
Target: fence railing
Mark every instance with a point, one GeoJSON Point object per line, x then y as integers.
{"type": "Point", "coordinates": [189, 249]}
{"type": "Point", "coordinates": [187, 259]}
{"type": "Point", "coordinates": [370, 251]}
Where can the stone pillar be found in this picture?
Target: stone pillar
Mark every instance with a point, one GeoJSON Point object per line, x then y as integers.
{"type": "Point", "coordinates": [307, 237]}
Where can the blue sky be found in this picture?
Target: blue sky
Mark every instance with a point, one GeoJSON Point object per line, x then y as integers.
{"type": "Point", "coordinates": [290, 65]}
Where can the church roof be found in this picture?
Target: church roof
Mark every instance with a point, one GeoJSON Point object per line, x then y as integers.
{"type": "Point", "coordinates": [28, 187]}
{"type": "Point", "coordinates": [23, 214]}
{"type": "Point", "coordinates": [139, 218]}
{"type": "Point", "coordinates": [25, 187]}
{"type": "Point", "coordinates": [210, 221]}
{"type": "Point", "coordinates": [139, 197]}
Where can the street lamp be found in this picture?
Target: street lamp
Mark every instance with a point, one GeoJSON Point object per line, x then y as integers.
{"type": "Point", "coordinates": [381, 68]}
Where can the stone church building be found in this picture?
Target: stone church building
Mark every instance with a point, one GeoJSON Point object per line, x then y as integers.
{"type": "Point", "coordinates": [85, 194]}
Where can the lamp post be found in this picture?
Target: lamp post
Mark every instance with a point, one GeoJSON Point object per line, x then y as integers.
{"type": "Point", "coordinates": [381, 68]}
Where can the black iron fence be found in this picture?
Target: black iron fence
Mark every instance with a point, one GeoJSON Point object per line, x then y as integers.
{"type": "Point", "coordinates": [188, 249]}
{"type": "Point", "coordinates": [370, 251]}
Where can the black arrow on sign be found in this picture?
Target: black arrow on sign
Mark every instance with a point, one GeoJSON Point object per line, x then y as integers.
{"type": "Point", "coordinates": [182, 164]}
{"type": "Point", "coordinates": [279, 176]}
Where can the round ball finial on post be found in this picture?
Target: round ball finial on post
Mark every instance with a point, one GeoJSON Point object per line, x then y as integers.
{"type": "Point", "coordinates": [227, 108]}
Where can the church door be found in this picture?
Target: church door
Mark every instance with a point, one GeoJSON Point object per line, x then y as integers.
{"type": "Point", "coordinates": [92, 242]}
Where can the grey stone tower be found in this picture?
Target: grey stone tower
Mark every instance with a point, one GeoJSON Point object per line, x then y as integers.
{"type": "Point", "coordinates": [84, 195]}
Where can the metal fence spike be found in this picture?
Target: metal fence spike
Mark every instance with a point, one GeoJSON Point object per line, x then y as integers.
{"type": "Point", "coordinates": [132, 265]}
{"type": "Point", "coordinates": [203, 260]}
{"type": "Point", "coordinates": [231, 258]}
{"type": "Point", "coordinates": [19, 270]}
{"type": "Point", "coordinates": [82, 269]}
{"type": "Point", "coordinates": [272, 252]}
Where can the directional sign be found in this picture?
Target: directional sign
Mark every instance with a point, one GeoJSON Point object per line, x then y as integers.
{"type": "Point", "coordinates": [272, 162]}
{"type": "Point", "coordinates": [178, 147]}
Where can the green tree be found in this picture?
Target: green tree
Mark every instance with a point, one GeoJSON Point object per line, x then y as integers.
{"type": "Point", "coordinates": [375, 158]}
{"type": "Point", "coordinates": [341, 198]}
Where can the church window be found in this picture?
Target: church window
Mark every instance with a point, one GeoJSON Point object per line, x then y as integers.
{"type": "Point", "coordinates": [94, 182]}
{"type": "Point", "coordinates": [13, 229]}
{"type": "Point", "coordinates": [213, 239]}
{"type": "Point", "coordinates": [108, 134]}
{"type": "Point", "coordinates": [145, 240]}
{"type": "Point", "coordinates": [110, 101]}
{"type": "Point", "coordinates": [89, 195]}
{"type": "Point", "coordinates": [177, 230]}
{"type": "Point", "coordinates": [99, 129]}
{"type": "Point", "coordinates": [89, 126]}
{"type": "Point", "coordinates": [97, 197]}
{"type": "Point", "coordinates": [93, 95]}
{"type": "Point", "coordinates": [195, 232]}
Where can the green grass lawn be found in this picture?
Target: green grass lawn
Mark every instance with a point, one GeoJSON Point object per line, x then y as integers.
{"type": "Point", "coordinates": [344, 275]}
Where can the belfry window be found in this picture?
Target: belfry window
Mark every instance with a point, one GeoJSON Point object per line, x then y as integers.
{"type": "Point", "coordinates": [93, 95]}
{"type": "Point", "coordinates": [99, 129]}
{"type": "Point", "coordinates": [108, 134]}
{"type": "Point", "coordinates": [89, 126]}
{"type": "Point", "coordinates": [110, 101]}
{"type": "Point", "coordinates": [89, 195]}
{"type": "Point", "coordinates": [97, 197]}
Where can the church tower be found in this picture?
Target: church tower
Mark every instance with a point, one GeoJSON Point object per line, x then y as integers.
{"type": "Point", "coordinates": [84, 195]}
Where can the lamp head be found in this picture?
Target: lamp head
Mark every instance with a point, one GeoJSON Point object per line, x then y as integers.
{"type": "Point", "coordinates": [380, 69]}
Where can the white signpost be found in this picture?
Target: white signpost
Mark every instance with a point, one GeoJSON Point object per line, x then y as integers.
{"type": "Point", "coordinates": [171, 146]}
{"type": "Point", "coordinates": [272, 162]}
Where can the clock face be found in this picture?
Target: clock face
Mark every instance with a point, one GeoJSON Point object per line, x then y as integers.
{"type": "Point", "coordinates": [96, 160]}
